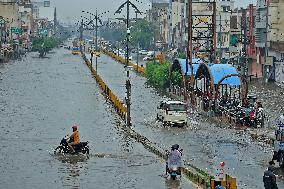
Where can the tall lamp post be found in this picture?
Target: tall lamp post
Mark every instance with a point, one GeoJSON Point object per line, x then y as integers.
{"type": "Point", "coordinates": [97, 19]}
{"type": "Point", "coordinates": [128, 84]}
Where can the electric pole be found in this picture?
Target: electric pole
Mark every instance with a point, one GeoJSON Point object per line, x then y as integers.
{"type": "Point", "coordinates": [96, 40]}
{"type": "Point", "coordinates": [127, 84]}
{"type": "Point", "coordinates": [97, 19]}
{"type": "Point", "coordinates": [137, 45]}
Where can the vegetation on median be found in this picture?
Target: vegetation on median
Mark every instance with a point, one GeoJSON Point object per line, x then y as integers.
{"type": "Point", "coordinates": [159, 76]}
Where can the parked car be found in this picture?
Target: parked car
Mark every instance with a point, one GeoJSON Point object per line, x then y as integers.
{"type": "Point", "coordinates": [143, 52]}
{"type": "Point", "coordinates": [172, 113]}
{"type": "Point", "coordinates": [150, 53]}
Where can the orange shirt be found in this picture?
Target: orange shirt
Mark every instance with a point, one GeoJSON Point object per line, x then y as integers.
{"type": "Point", "coordinates": [76, 137]}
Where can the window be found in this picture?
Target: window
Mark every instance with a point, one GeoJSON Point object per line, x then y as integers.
{"type": "Point", "coordinates": [176, 107]}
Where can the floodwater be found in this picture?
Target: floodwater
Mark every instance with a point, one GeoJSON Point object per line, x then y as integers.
{"type": "Point", "coordinates": [205, 143]}
{"type": "Point", "coordinates": [39, 101]}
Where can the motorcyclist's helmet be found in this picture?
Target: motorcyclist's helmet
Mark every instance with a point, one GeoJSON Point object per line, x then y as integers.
{"type": "Point", "coordinates": [74, 127]}
{"type": "Point", "coordinates": [175, 147]}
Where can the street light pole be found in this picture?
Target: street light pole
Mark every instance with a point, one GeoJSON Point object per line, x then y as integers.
{"type": "Point", "coordinates": [137, 45]}
{"type": "Point", "coordinates": [127, 84]}
{"type": "Point", "coordinates": [96, 40]}
{"type": "Point", "coordinates": [96, 31]}
{"type": "Point", "coordinates": [81, 34]}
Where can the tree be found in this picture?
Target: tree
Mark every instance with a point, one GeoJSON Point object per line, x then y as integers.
{"type": "Point", "coordinates": [158, 74]}
{"type": "Point", "coordinates": [44, 44]}
{"type": "Point", "coordinates": [142, 32]}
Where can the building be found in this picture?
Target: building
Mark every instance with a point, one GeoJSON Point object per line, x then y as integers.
{"type": "Point", "coordinates": [11, 27]}
{"type": "Point", "coordinates": [261, 36]}
{"type": "Point", "coordinates": [223, 14]}
{"type": "Point", "coordinates": [27, 22]}
{"type": "Point", "coordinates": [176, 24]}
{"type": "Point", "coordinates": [44, 18]}
{"type": "Point", "coordinates": [275, 40]}
{"type": "Point", "coordinates": [159, 16]}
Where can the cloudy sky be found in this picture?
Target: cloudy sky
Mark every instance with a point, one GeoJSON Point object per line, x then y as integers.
{"type": "Point", "coordinates": [70, 10]}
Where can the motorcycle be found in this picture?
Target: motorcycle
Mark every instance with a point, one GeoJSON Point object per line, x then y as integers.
{"type": "Point", "coordinates": [174, 170]}
{"type": "Point", "coordinates": [64, 148]}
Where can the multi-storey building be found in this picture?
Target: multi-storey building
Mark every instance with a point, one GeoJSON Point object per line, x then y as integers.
{"type": "Point", "coordinates": [26, 16]}
{"type": "Point", "coordinates": [176, 24]}
{"type": "Point", "coordinates": [261, 36]}
{"type": "Point", "coordinates": [223, 15]}
{"type": "Point", "coordinates": [275, 39]}
{"type": "Point", "coordinates": [159, 16]}
{"type": "Point", "coordinates": [253, 68]}
{"type": "Point", "coordinates": [11, 25]}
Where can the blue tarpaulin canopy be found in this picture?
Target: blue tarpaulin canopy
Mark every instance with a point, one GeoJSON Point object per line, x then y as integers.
{"type": "Point", "coordinates": [221, 70]}
{"type": "Point", "coordinates": [218, 71]}
{"type": "Point", "coordinates": [195, 65]}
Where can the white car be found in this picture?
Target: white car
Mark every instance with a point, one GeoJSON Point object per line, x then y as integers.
{"type": "Point", "coordinates": [143, 52]}
{"type": "Point", "coordinates": [172, 113]}
{"type": "Point", "coordinates": [150, 53]}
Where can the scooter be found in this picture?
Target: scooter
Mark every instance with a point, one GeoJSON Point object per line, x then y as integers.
{"type": "Point", "coordinates": [64, 148]}
{"type": "Point", "coordinates": [175, 170]}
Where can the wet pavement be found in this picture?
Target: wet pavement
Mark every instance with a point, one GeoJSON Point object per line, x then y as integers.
{"type": "Point", "coordinates": [39, 101]}
{"type": "Point", "coordinates": [205, 143]}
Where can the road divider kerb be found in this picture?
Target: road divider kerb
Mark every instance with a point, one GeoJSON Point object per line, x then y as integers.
{"type": "Point", "coordinates": [119, 106]}
{"type": "Point", "coordinates": [193, 173]}
{"type": "Point", "coordinates": [139, 69]}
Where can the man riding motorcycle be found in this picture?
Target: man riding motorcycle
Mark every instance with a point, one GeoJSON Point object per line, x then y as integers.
{"type": "Point", "coordinates": [174, 159]}
{"type": "Point", "coordinates": [74, 139]}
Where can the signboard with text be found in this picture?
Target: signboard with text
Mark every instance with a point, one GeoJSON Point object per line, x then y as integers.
{"type": "Point", "coordinates": [16, 30]}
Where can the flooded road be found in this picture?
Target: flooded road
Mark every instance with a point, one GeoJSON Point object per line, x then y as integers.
{"type": "Point", "coordinates": [205, 143]}
{"type": "Point", "coordinates": [39, 101]}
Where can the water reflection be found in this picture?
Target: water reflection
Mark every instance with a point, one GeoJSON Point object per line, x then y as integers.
{"type": "Point", "coordinates": [172, 184]}
{"type": "Point", "coordinates": [71, 168]}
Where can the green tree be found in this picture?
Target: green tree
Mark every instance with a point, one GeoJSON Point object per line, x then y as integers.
{"type": "Point", "coordinates": [158, 74]}
{"type": "Point", "coordinates": [142, 32]}
{"type": "Point", "coordinates": [44, 44]}
{"type": "Point", "coordinates": [177, 79]}
{"type": "Point", "coordinates": [113, 33]}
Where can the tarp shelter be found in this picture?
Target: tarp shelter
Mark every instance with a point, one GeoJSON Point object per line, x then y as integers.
{"type": "Point", "coordinates": [195, 65]}
{"type": "Point", "coordinates": [218, 71]}
{"type": "Point", "coordinates": [221, 70]}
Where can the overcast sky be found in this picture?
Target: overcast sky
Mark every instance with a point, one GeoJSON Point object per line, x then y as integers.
{"type": "Point", "coordinates": [71, 9]}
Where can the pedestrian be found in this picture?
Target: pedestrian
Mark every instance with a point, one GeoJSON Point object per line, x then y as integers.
{"type": "Point", "coordinates": [269, 178]}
